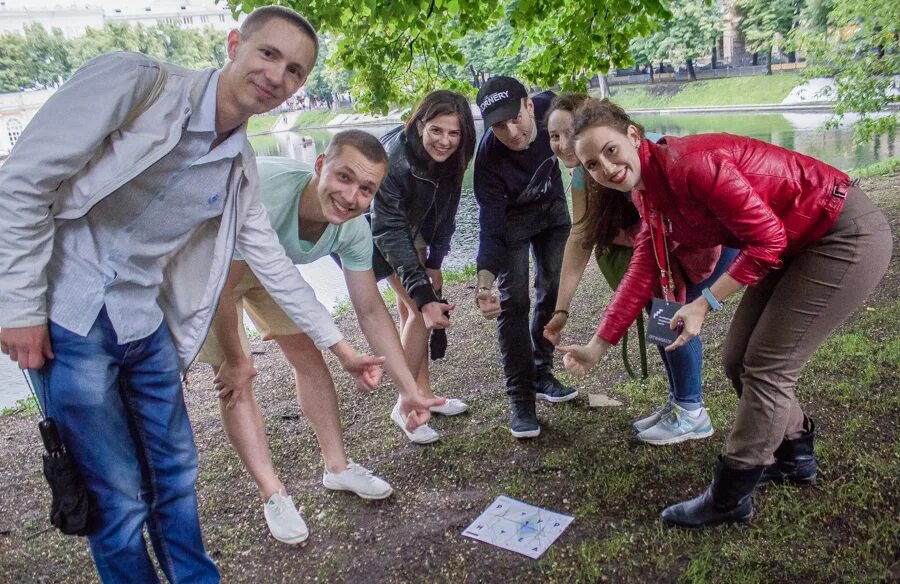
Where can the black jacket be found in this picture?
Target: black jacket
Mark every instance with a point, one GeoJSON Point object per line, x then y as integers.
{"type": "Point", "coordinates": [417, 197]}
{"type": "Point", "coordinates": [519, 193]}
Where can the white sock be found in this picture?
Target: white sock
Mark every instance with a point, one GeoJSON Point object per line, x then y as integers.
{"type": "Point", "coordinates": [694, 413]}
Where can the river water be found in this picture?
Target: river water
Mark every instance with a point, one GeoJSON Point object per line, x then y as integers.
{"type": "Point", "coordinates": [800, 132]}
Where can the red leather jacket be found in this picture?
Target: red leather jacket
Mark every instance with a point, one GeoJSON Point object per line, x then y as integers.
{"type": "Point", "coordinates": [719, 189]}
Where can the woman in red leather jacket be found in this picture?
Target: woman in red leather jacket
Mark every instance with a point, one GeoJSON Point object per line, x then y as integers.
{"type": "Point", "coordinates": [813, 246]}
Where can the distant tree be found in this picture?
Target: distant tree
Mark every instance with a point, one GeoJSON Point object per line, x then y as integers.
{"type": "Point", "coordinates": [328, 78]}
{"type": "Point", "coordinates": [400, 49]}
{"type": "Point", "coordinates": [14, 73]}
{"type": "Point", "coordinates": [647, 50]}
{"type": "Point", "coordinates": [859, 46]}
{"type": "Point", "coordinates": [694, 27]}
{"type": "Point", "coordinates": [766, 22]}
{"type": "Point", "coordinates": [118, 36]}
{"type": "Point", "coordinates": [48, 55]}
{"type": "Point", "coordinates": [192, 48]}
{"type": "Point", "coordinates": [490, 53]}
{"type": "Point", "coordinates": [215, 41]}
{"type": "Point", "coordinates": [570, 41]}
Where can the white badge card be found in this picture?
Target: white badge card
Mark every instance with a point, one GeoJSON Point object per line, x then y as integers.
{"type": "Point", "coordinates": [661, 313]}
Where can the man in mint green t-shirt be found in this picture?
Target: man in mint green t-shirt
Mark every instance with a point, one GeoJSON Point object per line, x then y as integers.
{"type": "Point", "coordinates": [315, 212]}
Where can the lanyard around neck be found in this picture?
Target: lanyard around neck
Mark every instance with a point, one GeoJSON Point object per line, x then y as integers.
{"type": "Point", "coordinates": [660, 250]}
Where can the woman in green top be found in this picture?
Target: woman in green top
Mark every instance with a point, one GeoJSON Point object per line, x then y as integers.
{"type": "Point", "coordinates": [606, 222]}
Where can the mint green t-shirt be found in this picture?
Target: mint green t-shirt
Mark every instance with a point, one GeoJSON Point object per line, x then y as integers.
{"type": "Point", "coordinates": [281, 184]}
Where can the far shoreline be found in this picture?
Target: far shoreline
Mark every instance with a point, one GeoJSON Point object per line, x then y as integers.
{"type": "Point", "coordinates": [825, 107]}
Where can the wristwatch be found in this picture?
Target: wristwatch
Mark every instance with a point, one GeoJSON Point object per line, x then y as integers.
{"type": "Point", "coordinates": [714, 304]}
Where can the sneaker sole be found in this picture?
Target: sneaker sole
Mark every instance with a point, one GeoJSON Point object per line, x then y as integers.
{"type": "Point", "coordinates": [677, 439]}
{"type": "Point", "coordinates": [526, 433]}
{"type": "Point", "coordinates": [556, 400]}
{"type": "Point", "coordinates": [361, 495]}
{"type": "Point", "coordinates": [294, 541]}
{"type": "Point", "coordinates": [450, 413]}
{"type": "Point", "coordinates": [424, 441]}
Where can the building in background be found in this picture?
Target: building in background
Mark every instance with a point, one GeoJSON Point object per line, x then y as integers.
{"type": "Point", "coordinates": [16, 110]}
{"type": "Point", "coordinates": [74, 16]}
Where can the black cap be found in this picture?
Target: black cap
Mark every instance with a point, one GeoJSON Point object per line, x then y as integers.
{"type": "Point", "coordinates": [500, 99]}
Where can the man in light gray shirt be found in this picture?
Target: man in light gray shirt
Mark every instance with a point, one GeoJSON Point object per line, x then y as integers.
{"type": "Point", "coordinates": [120, 208]}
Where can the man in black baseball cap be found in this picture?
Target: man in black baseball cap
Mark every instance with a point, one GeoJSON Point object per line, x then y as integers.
{"type": "Point", "coordinates": [523, 213]}
{"type": "Point", "coordinates": [500, 99]}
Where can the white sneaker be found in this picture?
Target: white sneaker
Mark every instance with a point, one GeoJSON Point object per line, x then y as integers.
{"type": "Point", "coordinates": [284, 521]}
{"type": "Point", "coordinates": [358, 479]}
{"type": "Point", "coordinates": [423, 434]}
{"type": "Point", "coordinates": [451, 407]}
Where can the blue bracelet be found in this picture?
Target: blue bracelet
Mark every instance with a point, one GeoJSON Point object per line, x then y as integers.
{"type": "Point", "coordinates": [714, 304]}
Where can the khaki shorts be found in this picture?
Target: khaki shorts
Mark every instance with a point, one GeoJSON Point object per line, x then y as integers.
{"type": "Point", "coordinates": [267, 316]}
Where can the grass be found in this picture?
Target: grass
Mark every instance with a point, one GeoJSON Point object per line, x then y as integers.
{"type": "Point", "coordinates": [729, 91]}
{"type": "Point", "coordinates": [26, 405]}
{"type": "Point", "coordinates": [586, 463]}
{"type": "Point", "coordinates": [315, 118]}
{"type": "Point", "coordinates": [261, 123]}
{"type": "Point", "coordinates": [885, 167]}
{"type": "Point", "coordinates": [390, 297]}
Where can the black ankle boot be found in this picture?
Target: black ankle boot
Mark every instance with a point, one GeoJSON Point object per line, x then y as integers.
{"type": "Point", "coordinates": [795, 461]}
{"type": "Point", "coordinates": [727, 500]}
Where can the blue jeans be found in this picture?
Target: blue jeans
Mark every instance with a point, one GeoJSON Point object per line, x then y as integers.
{"type": "Point", "coordinates": [526, 354]}
{"type": "Point", "coordinates": [684, 366]}
{"type": "Point", "coordinates": [121, 413]}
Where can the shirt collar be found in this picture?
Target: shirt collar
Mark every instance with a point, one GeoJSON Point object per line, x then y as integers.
{"type": "Point", "coordinates": [203, 118]}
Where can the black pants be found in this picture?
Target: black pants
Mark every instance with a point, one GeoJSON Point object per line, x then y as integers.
{"type": "Point", "coordinates": [526, 354]}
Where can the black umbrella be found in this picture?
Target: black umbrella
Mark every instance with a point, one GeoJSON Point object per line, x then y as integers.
{"type": "Point", "coordinates": [69, 504]}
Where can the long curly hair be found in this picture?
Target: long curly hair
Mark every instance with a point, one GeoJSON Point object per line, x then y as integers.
{"type": "Point", "coordinates": [608, 210]}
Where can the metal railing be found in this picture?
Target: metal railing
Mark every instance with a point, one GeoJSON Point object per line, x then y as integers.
{"type": "Point", "coordinates": [717, 73]}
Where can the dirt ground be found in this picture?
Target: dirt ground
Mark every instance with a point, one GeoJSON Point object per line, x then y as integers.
{"type": "Point", "coordinates": [586, 463]}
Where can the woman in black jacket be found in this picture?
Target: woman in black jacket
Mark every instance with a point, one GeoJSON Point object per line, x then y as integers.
{"type": "Point", "coordinates": [413, 219]}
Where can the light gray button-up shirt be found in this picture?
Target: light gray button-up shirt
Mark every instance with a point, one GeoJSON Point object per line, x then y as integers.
{"type": "Point", "coordinates": [116, 253]}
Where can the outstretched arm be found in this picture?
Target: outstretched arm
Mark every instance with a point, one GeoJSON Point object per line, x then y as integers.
{"type": "Point", "coordinates": [575, 260]}
{"type": "Point", "coordinates": [579, 359]}
{"type": "Point", "coordinates": [234, 377]}
{"type": "Point", "coordinates": [692, 315]}
{"type": "Point", "coordinates": [259, 246]}
{"type": "Point", "coordinates": [379, 329]}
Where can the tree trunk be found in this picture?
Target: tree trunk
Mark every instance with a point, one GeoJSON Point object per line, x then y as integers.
{"type": "Point", "coordinates": [714, 54]}
{"type": "Point", "coordinates": [692, 75]}
{"type": "Point", "coordinates": [755, 59]}
{"type": "Point", "coordinates": [474, 75]}
{"type": "Point", "coordinates": [603, 86]}
{"type": "Point", "coordinates": [650, 68]}
{"type": "Point", "coordinates": [769, 62]}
